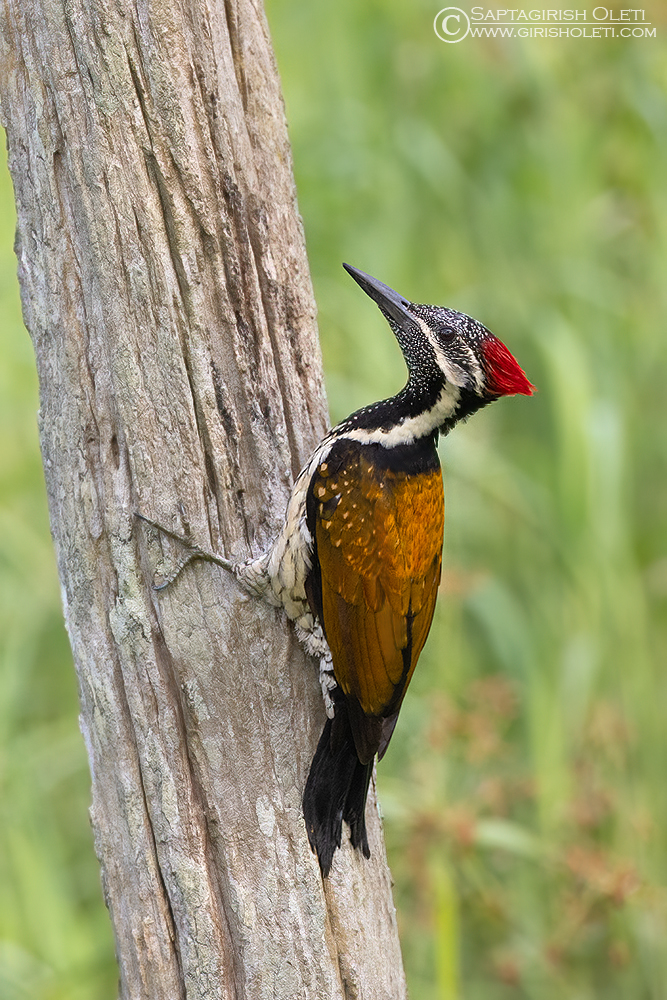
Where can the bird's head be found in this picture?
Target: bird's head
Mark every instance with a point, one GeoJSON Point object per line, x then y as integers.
{"type": "Point", "coordinates": [445, 349]}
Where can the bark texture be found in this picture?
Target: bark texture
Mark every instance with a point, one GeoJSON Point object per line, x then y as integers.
{"type": "Point", "coordinates": [166, 289]}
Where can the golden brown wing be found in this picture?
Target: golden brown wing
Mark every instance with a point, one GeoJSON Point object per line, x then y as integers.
{"type": "Point", "coordinates": [379, 546]}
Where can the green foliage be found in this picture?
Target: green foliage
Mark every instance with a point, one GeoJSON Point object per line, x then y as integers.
{"type": "Point", "coordinates": [523, 182]}
{"type": "Point", "coordinates": [524, 791]}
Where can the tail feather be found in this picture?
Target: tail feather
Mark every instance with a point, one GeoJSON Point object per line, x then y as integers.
{"type": "Point", "coordinates": [355, 807]}
{"type": "Point", "coordinates": [336, 790]}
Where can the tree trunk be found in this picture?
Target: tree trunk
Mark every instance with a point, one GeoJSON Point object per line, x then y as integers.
{"type": "Point", "coordinates": [166, 289]}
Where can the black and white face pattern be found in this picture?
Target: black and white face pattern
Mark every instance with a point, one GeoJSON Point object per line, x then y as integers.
{"type": "Point", "coordinates": [441, 344]}
{"type": "Point", "coordinates": [456, 366]}
{"type": "Point", "coordinates": [442, 347]}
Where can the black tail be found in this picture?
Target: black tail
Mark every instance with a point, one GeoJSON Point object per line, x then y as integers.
{"type": "Point", "coordinates": [336, 790]}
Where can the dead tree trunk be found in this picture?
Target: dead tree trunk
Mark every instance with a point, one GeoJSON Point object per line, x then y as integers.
{"type": "Point", "coordinates": [166, 289]}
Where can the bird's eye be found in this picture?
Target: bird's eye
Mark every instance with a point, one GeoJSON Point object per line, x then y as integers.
{"type": "Point", "coordinates": [446, 333]}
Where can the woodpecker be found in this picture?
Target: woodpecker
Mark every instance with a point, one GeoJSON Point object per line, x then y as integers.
{"type": "Point", "coordinates": [357, 563]}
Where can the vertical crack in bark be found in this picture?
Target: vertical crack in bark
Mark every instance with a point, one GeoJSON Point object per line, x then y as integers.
{"type": "Point", "coordinates": [139, 90]}
{"type": "Point", "coordinates": [285, 385]}
{"type": "Point", "coordinates": [164, 198]}
{"type": "Point", "coordinates": [168, 671]}
{"type": "Point", "coordinates": [231, 21]}
{"type": "Point", "coordinates": [127, 712]}
{"type": "Point", "coordinates": [173, 932]}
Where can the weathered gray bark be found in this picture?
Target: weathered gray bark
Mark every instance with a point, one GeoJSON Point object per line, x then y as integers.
{"type": "Point", "coordinates": [166, 289]}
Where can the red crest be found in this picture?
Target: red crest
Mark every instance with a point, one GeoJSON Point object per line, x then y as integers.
{"type": "Point", "coordinates": [504, 375]}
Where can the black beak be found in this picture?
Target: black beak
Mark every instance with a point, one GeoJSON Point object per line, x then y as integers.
{"type": "Point", "coordinates": [393, 305]}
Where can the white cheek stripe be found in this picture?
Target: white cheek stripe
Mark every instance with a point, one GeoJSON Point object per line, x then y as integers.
{"type": "Point", "coordinates": [453, 372]}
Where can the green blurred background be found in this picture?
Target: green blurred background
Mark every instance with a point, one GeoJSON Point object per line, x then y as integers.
{"type": "Point", "coordinates": [525, 791]}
